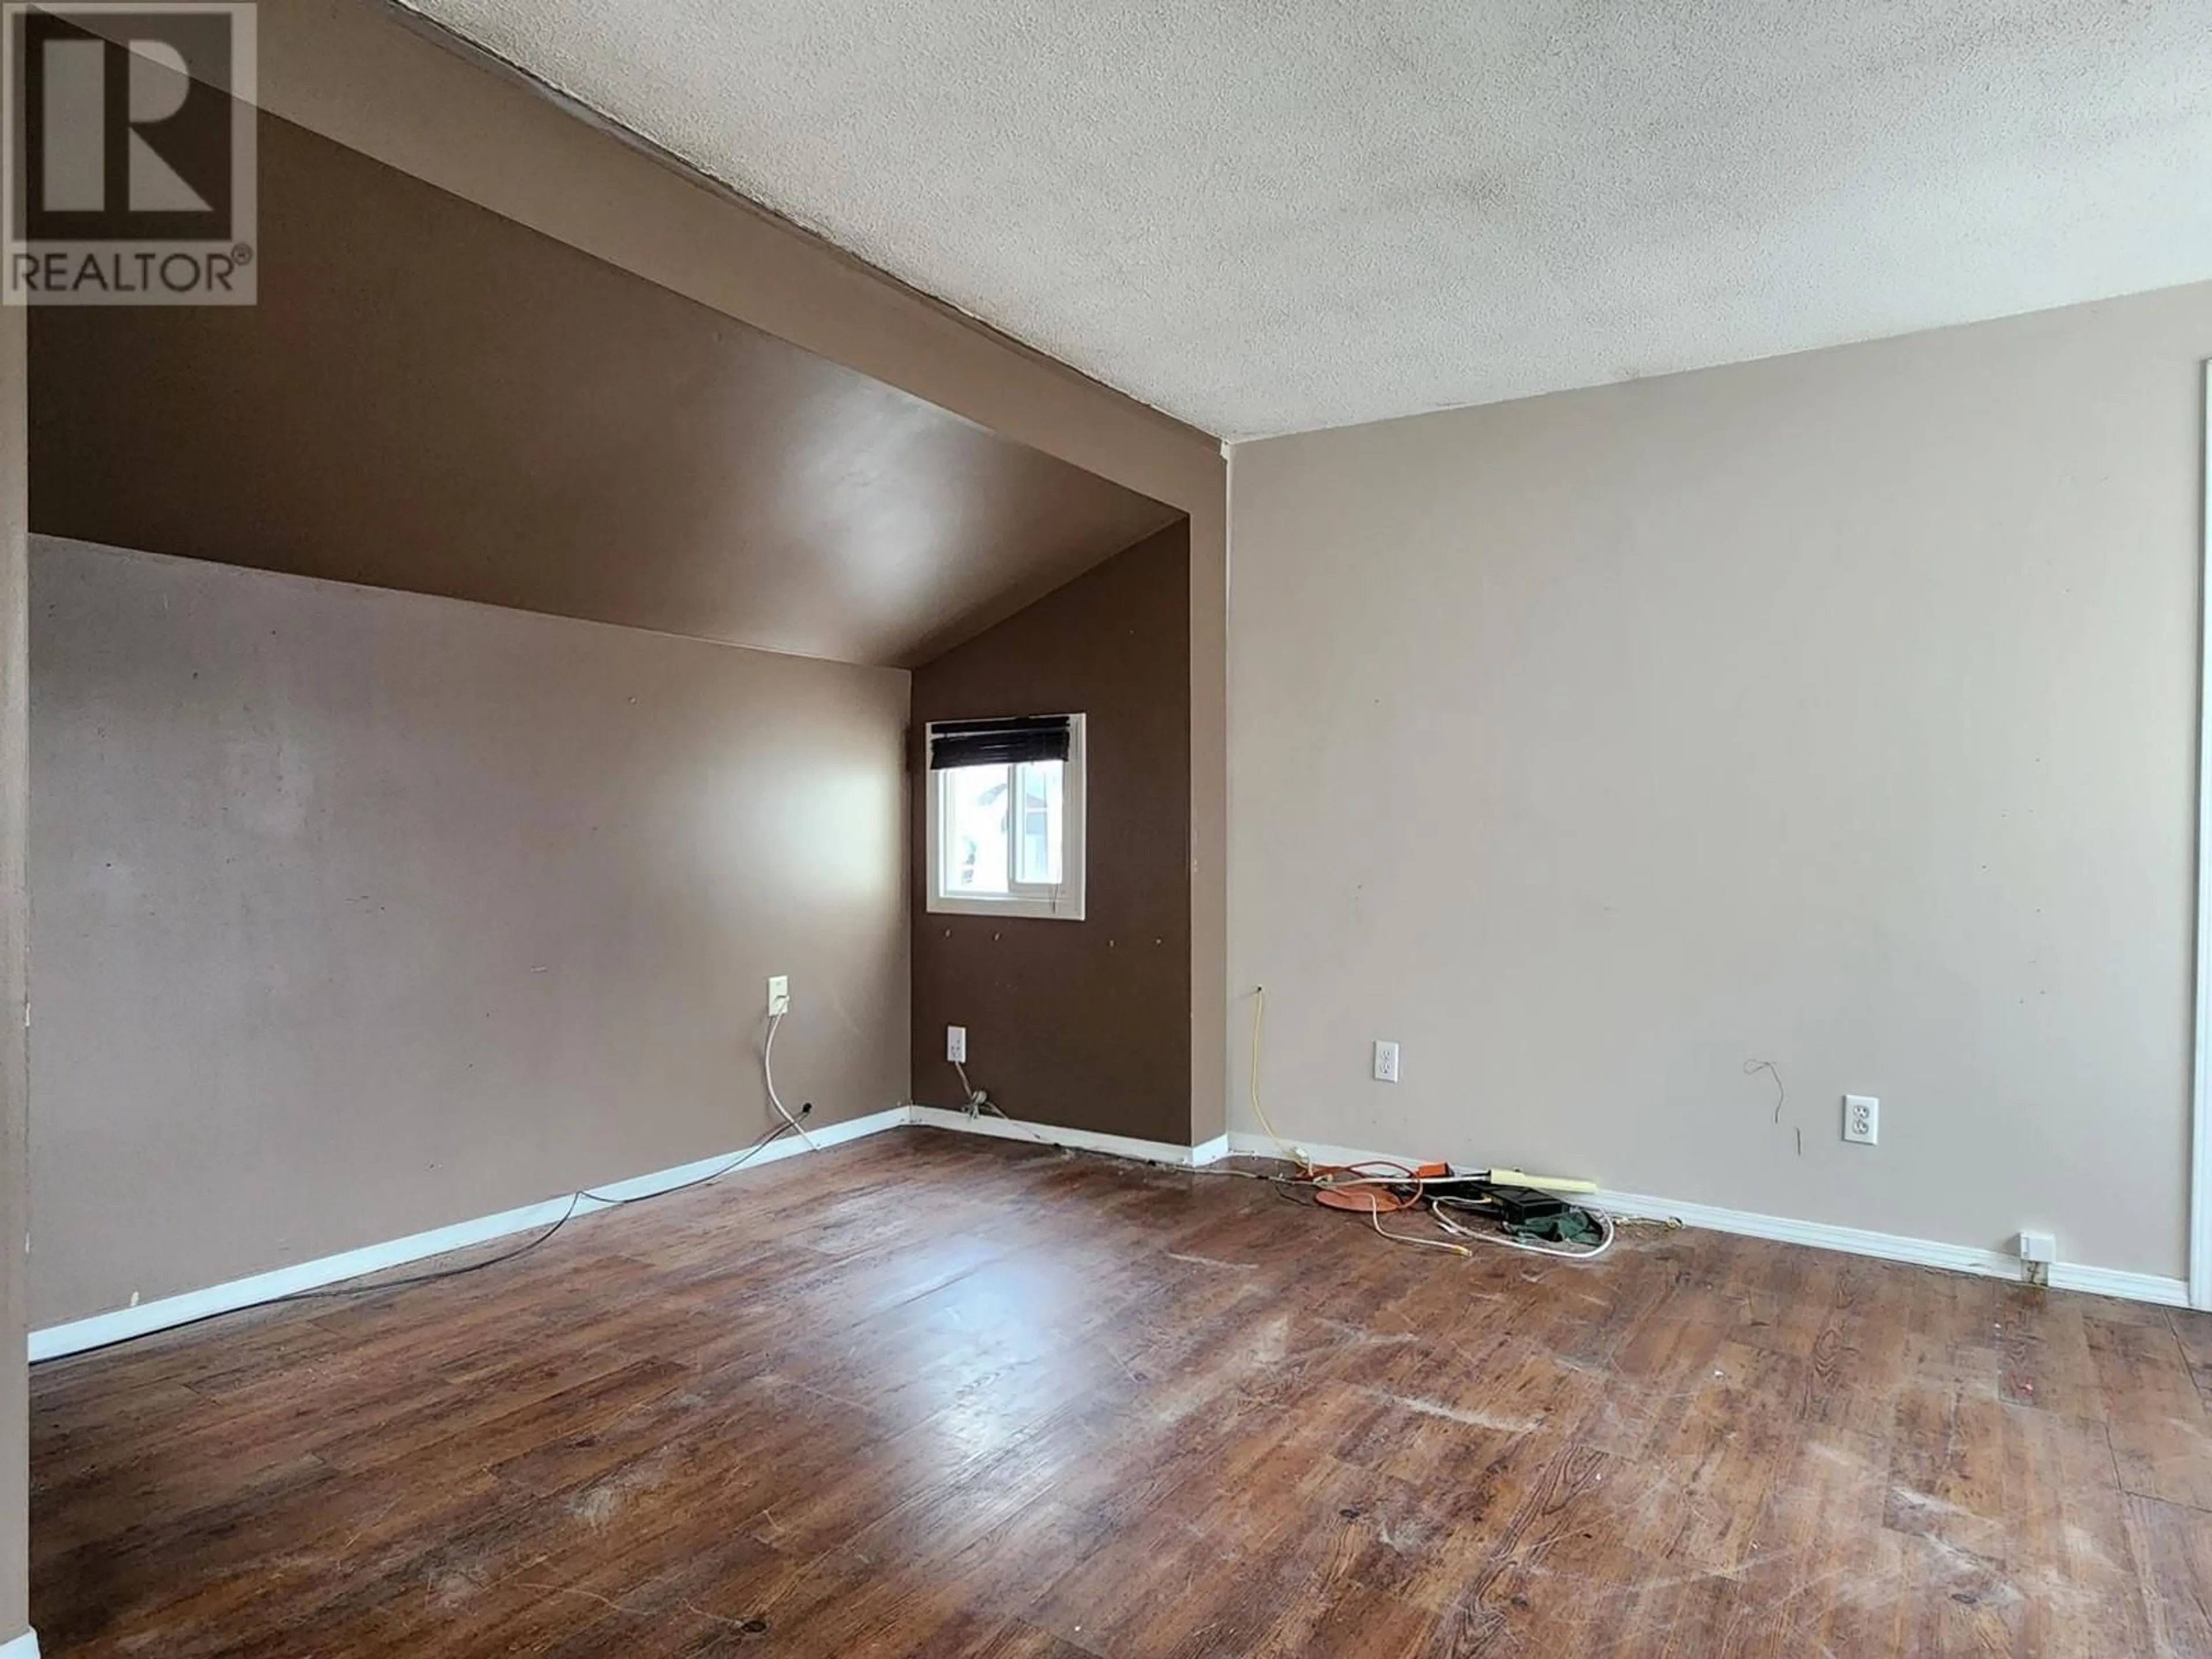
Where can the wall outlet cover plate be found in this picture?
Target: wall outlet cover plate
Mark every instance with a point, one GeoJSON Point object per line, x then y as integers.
{"type": "Point", "coordinates": [1386, 1062]}
{"type": "Point", "coordinates": [1861, 1118]}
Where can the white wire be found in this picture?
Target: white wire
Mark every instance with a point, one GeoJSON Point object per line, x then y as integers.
{"type": "Point", "coordinates": [1291, 1153]}
{"type": "Point", "coordinates": [1374, 1220]}
{"type": "Point", "coordinates": [768, 1071]}
{"type": "Point", "coordinates": [1533, 1246]}
{"type": "Point", "coordinates": [601, 1200]}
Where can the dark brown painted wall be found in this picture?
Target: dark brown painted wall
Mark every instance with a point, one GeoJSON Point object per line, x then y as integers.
{"type": "Point", "coordinates": [366, 73]}
{"type": "Point", "coordinates": [1083, 1025]}
{"type": "Point", "coordinates": [432, 397]}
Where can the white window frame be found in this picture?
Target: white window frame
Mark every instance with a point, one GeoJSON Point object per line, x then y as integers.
{"type": "Point", "coordinates": [1059, 902]}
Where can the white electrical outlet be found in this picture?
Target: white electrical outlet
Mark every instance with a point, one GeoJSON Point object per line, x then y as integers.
{"type": "Point", "coordinates": [1861, 1118]}
{"type": "Point", "coordinates": [955, 1044]}
{"type": "Point", "coordinates": [2038, 1246]}
{"type": "Point", "coordinates": [778, 995]}
{"type": "Point", "coordinates": [1386, 1062]}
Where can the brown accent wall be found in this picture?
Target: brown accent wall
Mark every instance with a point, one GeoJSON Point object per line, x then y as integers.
{"type": "Point", "coordinates": [1085, 1025]}
{"type": "Point", "coordinates": [432, 398]}
{"type": "Point", "coordinates": [381, 80]}
{"type": "Point", "coordinates": [360, 72]}
{"type": "Point", "coordinates": [375, 78]}
{"type": "Point", "coordinates": [360, 913]}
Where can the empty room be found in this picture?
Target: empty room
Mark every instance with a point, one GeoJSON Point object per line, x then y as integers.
{"type": "Point", "coordinates": [1116, 833]}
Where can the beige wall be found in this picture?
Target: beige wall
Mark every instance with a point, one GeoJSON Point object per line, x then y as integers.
{"type": "Point", "coordinates": [360, 913]}
{"type": "Point", "coordinates": [1837, 711]}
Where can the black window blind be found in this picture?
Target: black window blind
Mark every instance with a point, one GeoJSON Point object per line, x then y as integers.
{"type": "Point", "coordinates": [996, 743]}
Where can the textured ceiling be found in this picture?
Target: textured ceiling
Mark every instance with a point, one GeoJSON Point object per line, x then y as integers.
{"type": "Point", "coordinates": [1270, 218]}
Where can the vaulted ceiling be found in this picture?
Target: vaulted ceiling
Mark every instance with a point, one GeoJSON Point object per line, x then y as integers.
{"type": "Point", "coordinates": [430, 396]}
{"type": "Point", "coordinates": [1280, 217]}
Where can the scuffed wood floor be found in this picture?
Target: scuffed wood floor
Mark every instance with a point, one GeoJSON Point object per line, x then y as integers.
{"type": "Point", "coordinates": [934, 1395]}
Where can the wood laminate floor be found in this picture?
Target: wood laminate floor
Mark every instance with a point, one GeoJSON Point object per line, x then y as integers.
{"type": "Point", "coordinates": [929, 1394]}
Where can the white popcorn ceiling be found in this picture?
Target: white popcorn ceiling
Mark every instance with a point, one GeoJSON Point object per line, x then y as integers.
{"type": "Point", "coordinates": [1269, 218]}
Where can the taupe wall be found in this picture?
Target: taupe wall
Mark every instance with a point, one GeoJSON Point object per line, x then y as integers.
{"type": "Point", "coordinates": [1837, 711]}
{"type": "Point", "coordinates": [15, 1080]}
{"type": "Point", "coordinates": [360, 913]}
{"type": "Point", "coordinates": [1085, 1025]}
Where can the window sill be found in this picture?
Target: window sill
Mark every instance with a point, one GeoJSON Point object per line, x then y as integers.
{"type": "Point", "coordinates": [1066, 910]}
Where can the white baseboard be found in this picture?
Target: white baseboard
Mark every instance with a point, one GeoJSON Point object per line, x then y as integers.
{"type": "Point", "coordinates": [1249, 1143]}
{"type": "Point", "coordinates": [2110, 1281]}
{"type": "Point", "coordinates": [1853, 1240]}
{"type": "Point", "coordinates": [122, 1323]}
{"type": "Point", "coordinates": [1075, 1140]}
{"type": "Point", "coordinates": [25, 1646]}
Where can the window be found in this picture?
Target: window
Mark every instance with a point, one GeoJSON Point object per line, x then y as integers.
{"type": "Point", "coordinates": [1006, 817]}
